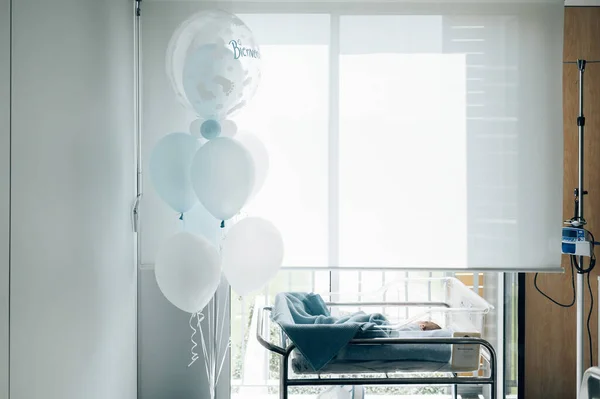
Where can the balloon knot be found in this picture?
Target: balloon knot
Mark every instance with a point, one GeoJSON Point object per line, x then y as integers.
{"type": "Point", "coordinates": [181, 216]}
{"type": "Point", "coordinates": [222, 224]}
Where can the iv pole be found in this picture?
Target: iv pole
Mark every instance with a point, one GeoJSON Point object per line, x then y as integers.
{"type": "Point", "coordinates": [580, 194]}
{"type": "Point", "coordinates": [579, 221]}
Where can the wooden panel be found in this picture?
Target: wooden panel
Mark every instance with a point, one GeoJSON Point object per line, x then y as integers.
{"type": "Point", "coordinates": [581, 34]}
{"type": "Point", "coordinates": [550, 330]}
{"type": "Point", "coordinates": [468, 279]}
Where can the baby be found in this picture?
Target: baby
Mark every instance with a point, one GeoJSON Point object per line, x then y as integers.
{"type": "Point", "coordinates": [428, 326]}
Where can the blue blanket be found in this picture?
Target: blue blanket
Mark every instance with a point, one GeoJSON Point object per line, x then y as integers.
{"type": "Point", "coordinates": [319, 336]}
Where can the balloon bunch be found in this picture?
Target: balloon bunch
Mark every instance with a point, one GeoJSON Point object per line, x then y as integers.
{"type": "Point", "coordinates": [208, 175]}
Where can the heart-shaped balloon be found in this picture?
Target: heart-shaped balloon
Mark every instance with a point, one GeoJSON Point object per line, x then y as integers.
{"type": "Point", "coordinates": [222, 175]}
{"type": "Point", "coordinates": [252, 253]}
{"type": "Point", "coordinates": [260, 155]}
{"type": "Point", "coordinates": [188, 271]}
{"type": "Point", "coordinates": [170, 170]}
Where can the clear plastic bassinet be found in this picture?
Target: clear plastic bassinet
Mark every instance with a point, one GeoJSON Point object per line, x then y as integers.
{"type": "Point", "coordinates": [459, 312]}
{"type": "Point", "coordinates": [445, 301]}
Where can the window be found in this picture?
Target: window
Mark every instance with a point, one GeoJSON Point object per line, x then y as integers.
{"type": "Point", "coordinates": [399, 114]}
{"type": "Point", "coordinates": [326, 214]}
{"type": "Point", "coordinates": [414, 136]}
{"type": "Point", "coordinates": [437, 117]}
{"type": "Point", "coordinates": [290, 114]}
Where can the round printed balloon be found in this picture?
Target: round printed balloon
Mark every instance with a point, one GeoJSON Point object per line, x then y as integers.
{"type": "Point", "coordinates": [212, 81]}
{"type": "Point", "coordinates": [213, 64]}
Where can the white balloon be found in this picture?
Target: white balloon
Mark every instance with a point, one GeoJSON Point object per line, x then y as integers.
{"type": "Point", "coordinates": [223, 176]}
{"type": "Point", "coordinates": [187, 271]}
{"type": "Point", "coordinates": [260, 155]}
{"type": "Point", "coordinates": [228, 128]}
{"type": "Point", "coordinates": [252, 253]}
{"type": "Point", "coordinates": [195, 129]}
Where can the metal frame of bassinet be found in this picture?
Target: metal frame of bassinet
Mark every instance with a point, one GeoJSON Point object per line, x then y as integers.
{"type": "Point", "coordinates": [285, 351]}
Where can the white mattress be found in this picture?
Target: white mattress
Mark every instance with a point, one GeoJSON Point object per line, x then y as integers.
{"type": "Point", "coordinates": [301, 366]}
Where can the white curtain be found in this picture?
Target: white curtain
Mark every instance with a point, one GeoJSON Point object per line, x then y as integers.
{"type": "Point", "coordinates": [402, 135]}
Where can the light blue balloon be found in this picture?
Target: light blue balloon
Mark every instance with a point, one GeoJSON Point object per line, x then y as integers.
{"type": "Point", "coordinates": [210, 129]}
{"type": "Point", "coordinates": [170, 164]}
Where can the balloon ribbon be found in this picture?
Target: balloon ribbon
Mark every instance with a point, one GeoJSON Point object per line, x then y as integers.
{"type": "Point", "coordinates": [199, 317]}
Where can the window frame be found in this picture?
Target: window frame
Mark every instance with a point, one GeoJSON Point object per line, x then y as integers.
{"type": "Point", "coordinates": [335, 12]}
{"type": "Point", "coordinates": [473, 279]}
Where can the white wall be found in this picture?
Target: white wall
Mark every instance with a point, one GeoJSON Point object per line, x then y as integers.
{"type": "Point", "coordinates": [73, 278]}
{"type": "Point", "coordinates": [164, 343]}
{"type": "Point", "coordinates": [164, 333]}
{"type": "Point", "coordinates": [4, 189]}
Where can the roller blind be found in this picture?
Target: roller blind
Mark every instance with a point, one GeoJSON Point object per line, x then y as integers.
{"type": "Point", "coordinates": [404, 135]}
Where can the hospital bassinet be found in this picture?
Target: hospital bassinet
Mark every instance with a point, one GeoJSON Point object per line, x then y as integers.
{"type": "Point", "coordinates": [445, 301]}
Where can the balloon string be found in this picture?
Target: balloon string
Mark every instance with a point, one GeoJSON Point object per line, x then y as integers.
{"type": "Point", "coordinates": [210, 332]}
{"type": "Point", "coordinates": [221, 329]}
{"type": "Point", "coordinates": [204, 351]}
{"type": "Point", "coordinates": [182, 221]}
{"type": "Point", "coordinates": [223, 359]}
{"type": "Point", "coordinates": [221, 238]}
{"type": "Point", "coordinates": [215, 343]}
{"type": "Point", "coordinates": [222, 326]}
{"type": "Point", "coordinates": [205, 347]}
{"type": "Point", "coordinates": [194, 344]}
{"type": "Point", "coordinates": [213, 339]}
{"type": "Point", "coordinates": [213, 366]}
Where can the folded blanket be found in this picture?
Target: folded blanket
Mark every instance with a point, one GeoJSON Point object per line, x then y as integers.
{"type": "Point", "coordinates": [319, 336]}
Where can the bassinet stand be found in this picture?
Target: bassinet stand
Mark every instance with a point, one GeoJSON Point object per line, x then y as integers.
{"type": "Point", "coordinates": [285, 381]}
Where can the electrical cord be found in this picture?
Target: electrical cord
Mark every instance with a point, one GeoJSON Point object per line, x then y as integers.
{"type": "Point", "coordinates": [588, 320]}
{"type": "Point", "coordinates": [580, 270]}
{"type": "Point", "coordinates": [592, 259]}
{"type": "Point", "coordinates": [552, 300]}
